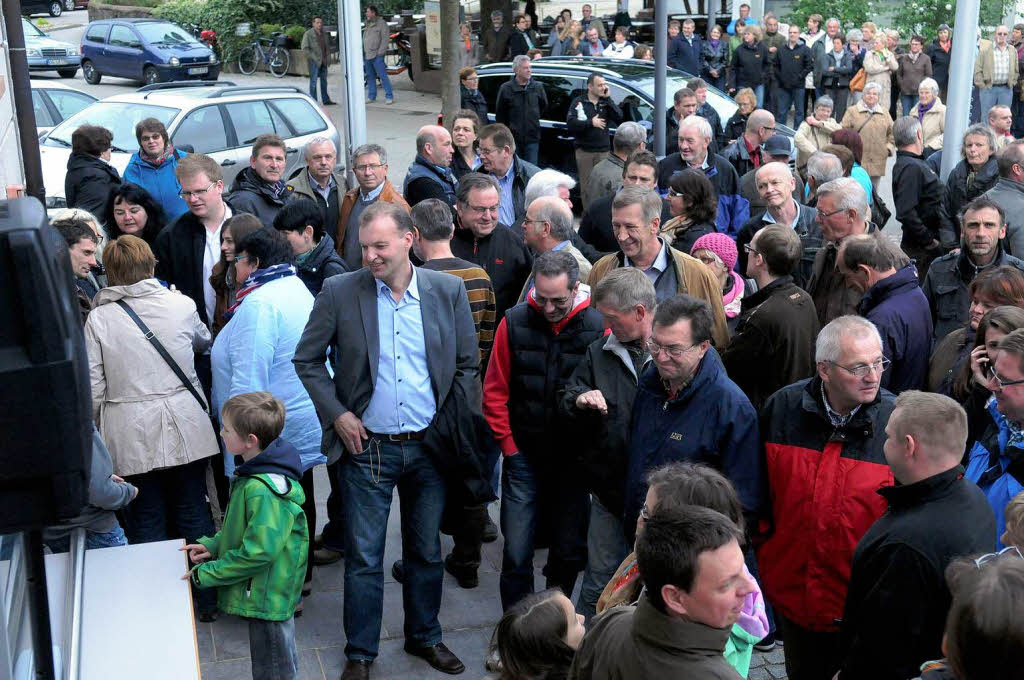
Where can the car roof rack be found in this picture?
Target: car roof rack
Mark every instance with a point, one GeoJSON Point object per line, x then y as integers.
{"type": "Point", "coordinates": [175, 84]}
{"type": "Point", "coordinates": [253, 88]}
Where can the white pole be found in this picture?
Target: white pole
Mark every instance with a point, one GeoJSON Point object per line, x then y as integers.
{"type": "Point", "coordinates": [353, 97]}
{"type": "Point", "coordinates": [961, 78]}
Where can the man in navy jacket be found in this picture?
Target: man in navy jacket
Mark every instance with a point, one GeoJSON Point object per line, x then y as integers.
{"type": "Point", "coordinates": [688, 409]}
{"type": "Point", "coordinates": [684, 50]}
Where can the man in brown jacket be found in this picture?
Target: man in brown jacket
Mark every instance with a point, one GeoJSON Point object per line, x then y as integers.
{"type": "Point", "coordinates": [636, 220]}
{"type": "Point", "coordinates": [681, 624]}
{"type": "Point", "coordinates": [370, 164]}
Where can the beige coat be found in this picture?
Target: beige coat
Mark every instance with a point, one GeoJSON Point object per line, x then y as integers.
{"type": "Point", "coordinates": [876, 134]}
{"type": "Point", "coordinates": [879, 70]}
{"type": "Point", "coordinates": [933, 125]}
{"type": "Point", "coordinates": [984, 65]}
{"type": "Point", "coordinates": [146, 416]}
{"type": "Point", "coordinates": [810, 138]}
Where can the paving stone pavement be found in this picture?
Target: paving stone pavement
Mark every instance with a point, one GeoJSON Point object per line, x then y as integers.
{"type": "Point", "coordinates": [467, 619]}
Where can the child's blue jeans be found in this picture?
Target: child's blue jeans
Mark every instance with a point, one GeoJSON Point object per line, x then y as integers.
{"type": "Point", "coordinates": [272, 649]}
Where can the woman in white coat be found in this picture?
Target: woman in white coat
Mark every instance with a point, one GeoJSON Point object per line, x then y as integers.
{"type": "Point", "coordinates": [879, 65]}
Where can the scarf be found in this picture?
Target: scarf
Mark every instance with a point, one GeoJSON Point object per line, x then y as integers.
{"type": "Point", "coordinates": [158, 160]}
{"type": "Point", "coordinates": [714, 44]}
{"type": "Point", "coordinates": [922, 109]}
{"type": "Point", "coordinates": [946, 45]}
{"type": "Point", "coordinates": [732, 299]}
{"type": "Point", "coordinates": [259, 278]}
{"type": "Point", "coordinates": [277, 188]}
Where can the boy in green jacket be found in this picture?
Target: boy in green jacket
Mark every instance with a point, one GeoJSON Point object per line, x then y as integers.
{"type": "Point", "coordinates": [258, 558]}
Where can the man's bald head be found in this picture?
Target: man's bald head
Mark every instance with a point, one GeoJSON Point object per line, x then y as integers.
{"type": "Point", "coordinates": [434, 143]}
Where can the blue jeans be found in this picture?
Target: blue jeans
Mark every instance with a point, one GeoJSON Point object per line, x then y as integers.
{"type": "Point", "coordinates": [532, 498]}
{"type": "Point", "coordinates": [368, 482]}
{"type": "Point", "coordinates": [759, 93]}
{"type": "Point", "coordinates": [1000, 95]}
{"type": "Point", "coordinates": [786, 97]}
{"type": "Point", "coordinates": [528, 152]}
{"type": "Point", "coordinates": [316, 72]}
{"type": "Point", "coordinates": [908, 101]}
{"type": "Point", "coordinates": [606, 548]}
{"type": "Point", "coordinates": [272, 648]}
{"type": "Point", "coordinates": [375, 68]}
{"type": "Point", "coordinates": [110, 539]}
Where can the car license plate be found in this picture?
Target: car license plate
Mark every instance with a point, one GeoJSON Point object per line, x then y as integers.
{"type": "Point", "coordinates": [198, 70]}
{"type": "Point", "coordinates": [56, 62]}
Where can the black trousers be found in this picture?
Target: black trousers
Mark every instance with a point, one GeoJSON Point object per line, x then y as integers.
{"type": "Point", "coordinates": [810, 655]}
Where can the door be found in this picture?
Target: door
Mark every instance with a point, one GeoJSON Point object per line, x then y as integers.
{"type": "Point", "coordinates": [204, 131]}
{"type": "Point", "coordinates": [94, 45]}
{"type": "Point", "coordinates": [304, 122]}
{"type": "Point", "coordinates": [556, 144]}
{"type": "Point", "coordinates": [124, 49]}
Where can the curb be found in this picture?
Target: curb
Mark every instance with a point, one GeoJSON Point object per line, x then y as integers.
{"type": "Point", "coordinates": [64, 27]}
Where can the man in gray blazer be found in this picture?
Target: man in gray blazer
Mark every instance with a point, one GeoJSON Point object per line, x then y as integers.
{"type": "Point", "coordinates": [402, 335]}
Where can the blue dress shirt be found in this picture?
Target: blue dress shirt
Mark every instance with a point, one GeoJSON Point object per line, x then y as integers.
{"type": "Point", "coordinates": [507, 207]}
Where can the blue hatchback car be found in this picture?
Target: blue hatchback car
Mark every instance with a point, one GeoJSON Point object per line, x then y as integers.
{"type": "Point", "coordinates": [149, 50]}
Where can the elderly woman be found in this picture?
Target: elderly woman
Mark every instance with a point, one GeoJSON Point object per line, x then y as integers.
{"type": "Point", "coordinates": [134, 211]}
{"type": "Point", "coordinates": [253, 352]}
{"type": "Point", "coordinates": [155, 425]}
{"type": "Point", "coordinates": [714, 53]}
{"type": "Point", "coordinates": [469, 46]}
{"type": "Point", "coordinates": [464, 128]}
{"type": "Point", "coordinates": [871, 120]}
{"type": "Point", "coordinates": [90, 177]}
{"type": "Point", "coordinates": [976, 173]}
{"type": "Point", "coordinates": [879, 65]}
{"type": "Point", "coordinates": [643, 52]}
{"type": "Point", "coordinates": [940, 52]}
{"type": "Point", "coordinates": [222, 277]}
{"type": "Point", "coordinates": [915, 67]}
{"type": "Point", "coordinates": [718, 252]}
{"type": "Point", "coordinates": [694, 205]}
{"type": "Point", "coordinates": [152, 166]}
{"type": "Point", "coordinates": [746, 100]}
{"type": "Point", "coordinates": [750, 65]}
{"type": "Point", "coordinates": [854, 43]}
{"type": "Point", "coordinates": [814, 132]}
{"type": "Point", "coordinates": [472, 98]}
{"type": "Point", "coordinates": [621, 48]}
{"type": "Point", "coordinates": [932, 113]}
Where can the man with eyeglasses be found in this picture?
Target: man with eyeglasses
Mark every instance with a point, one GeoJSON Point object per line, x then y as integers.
{"type": "Point", "coordinates": [995, 70]}
{"type": "Point", "coordinates": [745, 153]}
{"type": "Point", "coordinates": [549, 226]}
{"type": "Point", "coordinates": [898, 599]}
{"type": "Point", "coordinates": [687, 409]}
{"type": "Point", "coordinates": [893, 301]}
{"type": "Point", "coordinates": [536, 347]}
{"type": "Point", "coordinates": [430, 175]}
{"type": "Point", "coordinates": [260, 189]}
{"type": "Point", "coordinates": [823, 440]}
{"type": "Point", "coordinates": [996, 461]}
{"type": "Point", "coordinates": [497, 151]}
{"type": "Point", "coordinates": [370, 165]}
{"type": "Point", "coordinates": [481, 239]}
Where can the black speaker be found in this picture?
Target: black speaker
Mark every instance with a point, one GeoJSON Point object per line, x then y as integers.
{"type": "Point", "coordinates": [46, 402]}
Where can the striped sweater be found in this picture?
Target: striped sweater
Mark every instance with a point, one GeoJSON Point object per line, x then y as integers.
{"type": "Point", "coordinates": [481, 298]}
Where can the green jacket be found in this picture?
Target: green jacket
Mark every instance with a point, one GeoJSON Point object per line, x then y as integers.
{"type": "Point", "coordinates": [259, 555]}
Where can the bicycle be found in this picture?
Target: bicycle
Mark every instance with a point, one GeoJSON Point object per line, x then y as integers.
{"type": "Point", "coordinates": [267, 51]}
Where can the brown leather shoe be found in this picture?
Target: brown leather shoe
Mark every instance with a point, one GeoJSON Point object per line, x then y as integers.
{"type": "Point", "coordinates": [356, 669]}
{"type": "Point", "coordinates": [322, 556]}
{"type": "Point", "coordinates": [438, 656]}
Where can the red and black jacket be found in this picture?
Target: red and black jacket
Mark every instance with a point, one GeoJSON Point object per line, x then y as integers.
{"type": "Point", "coordinates": [823, 484]}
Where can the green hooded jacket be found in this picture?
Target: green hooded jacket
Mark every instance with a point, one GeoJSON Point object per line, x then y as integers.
{"type": "Point", "coordinates": [260, 553]}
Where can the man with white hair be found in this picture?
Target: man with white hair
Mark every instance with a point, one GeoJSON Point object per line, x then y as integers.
{"type": "Point", "coordinates": [822, 167]}
{"type": "Point", "coordinates": [549, 226]}
{"type": "Point", "coordinates": [823, 442]}
{"type": "Point", "coordinates": [606, 177]}
{"type": "Point", "coordinates": [995, 70]}
{"type": "Point", "coordinates": [318, 182]}
{"type": "Point", "coordinates": [695, 135]}
{"type": "Point", "coordinates": [519, 104]}
{"type": "Point", "coordinates": [550, 182]}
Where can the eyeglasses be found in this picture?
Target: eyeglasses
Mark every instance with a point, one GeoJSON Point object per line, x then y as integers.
{"type": "Point", "coordinates": [483, 209]}
{"type": "Point", "coordinates": [708, 259]}
{"type": "Point", "coordinates": [367, 167]}
{"type": "Point", "coordinates": [529, 221]}
{"type": "Point", "coordinates": [675, 352]}
{"type": "Point", "coordinates": [239, 258]}
{"type": "Point", "coordinates": [485, 152]}
{"type": "Point", "coordinates": [992, 556]}
{"type": "Point", "coordinates": [824, 215]}
{"type": "Point", "coordinates": [672, 193]}
{"type": "Point", "coordinates": [555, 302]}
{"type": "Point", "coordinates": [765, 127]}
{"type": "Point", "coordinates": [644, 513]}
{"type": "Point", "coordinates": [862, 370]}
{"type": "Point", "coordinates": [749, 249]}
{"type": "Point", "coordinates": [199, 192]}
{"type": "Point", "coordinates": [1003, 384]}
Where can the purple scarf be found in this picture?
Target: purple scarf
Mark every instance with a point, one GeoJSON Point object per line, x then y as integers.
{"type": "Point", "coordinates": [922, 109]}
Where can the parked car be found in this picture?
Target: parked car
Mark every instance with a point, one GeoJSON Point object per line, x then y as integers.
{"type": "Point", "coordinates": [70, 5]}
{"type": "Point", "coordinates": [631, 85]}
{"type": "Point", "coordinates": [52, 102]}
{"type": "Point", "coordinates": [46, 54]}
{"type": "Point", "coordinates": [219, 119]}
{"type": "Point", "coordinates": [52, 7]}
{"type": "Point", "coordinates": [147, 50]}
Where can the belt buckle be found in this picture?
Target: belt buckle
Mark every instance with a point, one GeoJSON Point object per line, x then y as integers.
{"type": "Point", "coordinates": [396, 437]}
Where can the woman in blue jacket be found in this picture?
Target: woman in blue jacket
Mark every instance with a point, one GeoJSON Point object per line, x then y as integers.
{"type": "Point", "coordinates": [253, 352]}
{"type": "Point", "coordinates": [152, 167]}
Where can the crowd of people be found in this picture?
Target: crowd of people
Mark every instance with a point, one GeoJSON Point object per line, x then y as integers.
{"type": "Point", "coordinates": [732, 403]}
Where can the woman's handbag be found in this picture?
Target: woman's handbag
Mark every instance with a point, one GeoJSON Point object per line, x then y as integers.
{"type": "Point", "coordinates": [858, 81]}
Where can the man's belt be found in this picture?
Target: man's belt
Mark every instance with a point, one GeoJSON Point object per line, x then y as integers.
{"type": "Point", "coordinates": [400, 437]}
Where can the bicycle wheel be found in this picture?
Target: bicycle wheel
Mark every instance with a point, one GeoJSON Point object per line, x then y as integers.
{"type": "Point", "coordinates": [279, 61]}
{"type": "Point", "coordinates": [248, 60]}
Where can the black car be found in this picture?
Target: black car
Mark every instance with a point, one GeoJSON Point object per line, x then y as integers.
{"type": "Point", "coordinates": [631, 85]}
{"type": "Point", "coordinates": [52, 7]}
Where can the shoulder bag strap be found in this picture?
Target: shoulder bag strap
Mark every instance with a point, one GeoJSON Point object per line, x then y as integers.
{"type": "Point", "coordinates": [162, 351]}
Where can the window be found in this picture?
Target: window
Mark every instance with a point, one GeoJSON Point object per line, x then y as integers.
{"type": "Point", "coordinates": [68, 103]}
{"type": "Point", "coordinates": [203, 130]}
{"type": "Point", "coordinates": [489, 86]}
{"type": "Point", "coordinates": [280, 124]}
{"type": "Point", "coordinates": [560, 91]}
{"type": "Point", "coordinates": [122, 36]}
{"type": "Point", "coordinates": [164, 33]}
{"type": "Point", "coordinates": [43, 117]}
{"type": "Point", "coordinates": [97, 34]}
{"type": "Point", "coordinates": [301, 115]}
{"type": "Point", "coordinates": [118, 117]}
{"type": "Point", "coordinates": [250, 120]}
{"type": "Point", "coordinates": [633, 107]}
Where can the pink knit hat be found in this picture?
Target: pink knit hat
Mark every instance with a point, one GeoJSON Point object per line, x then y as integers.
{"type": "Point", "coordinates": [720, 245]}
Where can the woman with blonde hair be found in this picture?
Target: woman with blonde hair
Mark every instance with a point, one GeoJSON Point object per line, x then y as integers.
{"type": "Point", "coordinates": [879, 65]}
{"type": "Point", "coordinates": [573, 38]}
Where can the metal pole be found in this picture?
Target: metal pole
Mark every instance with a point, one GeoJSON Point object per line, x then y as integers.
{"type": "Point", "coordinates": [353, 97]}
{"type": "Point", "coordinates": [961, 77]}
{"type": "Point", "coordinates": [38, 605]}
{"type": "Point", "coordinates": [21, 91]}
{"type": "Point", "coordinates": [73, 607]}
{"type": "Point", "coordinates": [660, 73]}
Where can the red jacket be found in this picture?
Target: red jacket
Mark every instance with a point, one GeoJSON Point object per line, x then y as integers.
{"type": "Point", "coordinates": [823, 484]}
